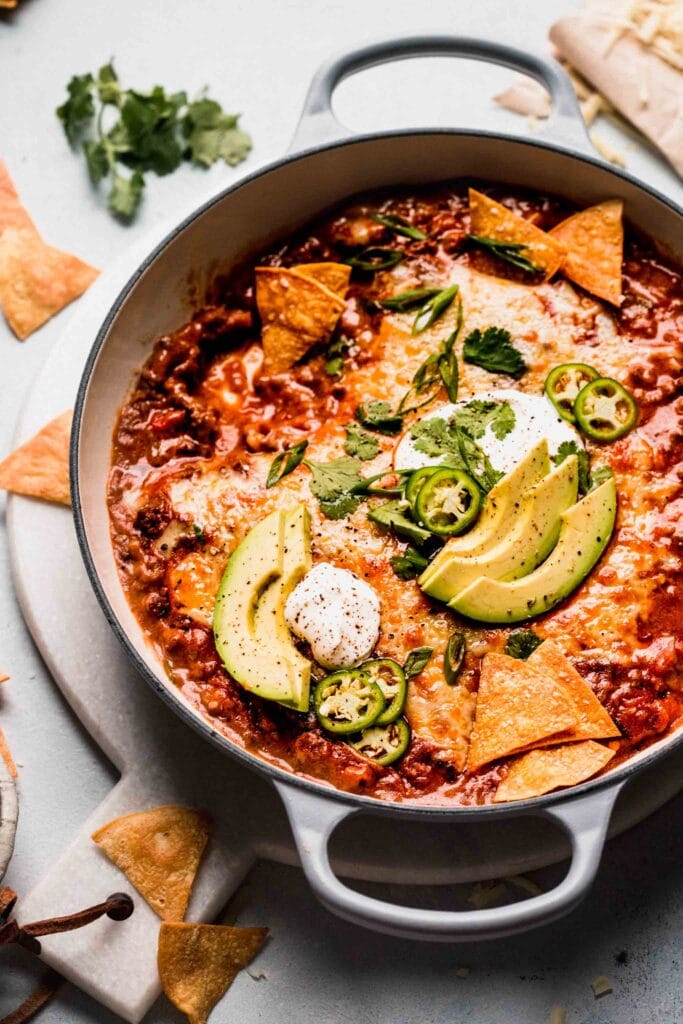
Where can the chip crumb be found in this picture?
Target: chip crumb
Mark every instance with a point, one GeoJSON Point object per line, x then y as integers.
{"type": "Point", "coordinates": [462, 972]}
{"type": "Point", "coordinates": [558, 1015]}
{"type": "Point", "coordinates": [258, 975]}
{"type": "Point", "coordinates": [601, 986]}
{"type": "Point", "coordinates": [6, 755]}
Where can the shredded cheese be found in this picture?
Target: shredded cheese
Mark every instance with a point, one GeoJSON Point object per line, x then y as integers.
{"type": "Point", "coordinates": [607, 151]}
{"type": "Point", "coordinates": [558, 1015]}
{"type": "Point", "coordinates": [657, 24]}
{"type": "Point", "coordinates": [525, 884]}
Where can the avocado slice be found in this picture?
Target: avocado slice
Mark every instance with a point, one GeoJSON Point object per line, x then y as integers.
{"type": "Point", "coordinates": [530, 539]}
{"type": "Point", "coordinates": [585, 532]}
{"type": "Point", "coordinates": [501, 508]}
{"type": "Point", "coordinates": [251, 635]}
{"type": "Point", "coordinates": [270, 612]}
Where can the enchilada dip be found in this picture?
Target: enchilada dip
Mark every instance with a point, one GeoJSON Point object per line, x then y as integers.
{"type": "Point", "coordinates": [399, 508]}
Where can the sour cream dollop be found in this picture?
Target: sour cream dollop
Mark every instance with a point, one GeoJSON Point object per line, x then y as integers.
{"type": "Point", "coordinates": [336, 613]}
{"type": "Point", "coordinates": [535, 418]}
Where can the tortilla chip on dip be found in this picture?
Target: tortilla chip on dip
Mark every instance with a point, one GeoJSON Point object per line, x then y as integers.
{"type": "Point", "coordinates": [541, 771]}
{"type": "Point", "coordinates": [198, 963]}
{"type": "Point", "coordinates": [297, 312]}
{"type": "Point", "coordinates": [594, 240]}
{"type": "Point", "coordinates": [516, 706]}
{"type": "Point", "coordinates": [490, 219]}
{"type": "Point", "coordinates": [159, 853]}
{"type": "Point", "coordinates": [40, 467]}
{"type": "Point", "coordinates": [37, 281]}
{"type": "Point", "coordinates": [594, 721]}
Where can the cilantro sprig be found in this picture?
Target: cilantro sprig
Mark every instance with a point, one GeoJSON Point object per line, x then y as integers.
{"type": "Point", "coordinates": [492, 349]}
{"type": "Point", "coordinates": [125, 133]}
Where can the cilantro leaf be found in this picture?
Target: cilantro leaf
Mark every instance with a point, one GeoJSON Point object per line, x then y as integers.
{"type": "Point", "coordinates": [568, 448]}
{"type": "Point", "coordinates": [379, 416]}
{"type": "Point", "coordinates": [108, 88]}
{"type": "Point", "coordinates": [598, 476]}
{"type": "Point", "coordinates": [333, 485]}
{"type": "Point", "coordinates": [417, 660]}
{"type": "Point", "coordinates": [336, 350]}
{"type": "Point", "coordinates": [492, 349]}
{"type": "Point", "coordinates": [79, 109]}
{"type": "Point", "coordinates": [153, 131]}
{"type": "Point", "coordinates": [522, 643]}
{"type": "Point", "coordinates": [477, 416]}
{"type": "Point", "coordinates": [360, 444]}
{"type": "Point", "coordinates": [410, 564]}
{"type": "Point", "coordinates": [285, 463]}
{"type": "Point", "coordinates": [97, 159]}
{"type": "Point", "coordinates": [477, 462]}
{"type": "Point", "coordinates": [393, 515]}
{"type": "Point", "coordinates": [437, 437]}
{"type": "Point", "coordinates": [125, 194]}
{"type": "Point", "coordinates": [213, 135]}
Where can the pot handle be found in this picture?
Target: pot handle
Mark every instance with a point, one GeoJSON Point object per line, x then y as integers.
{"type": "Point", "coordinates": [314, 818]}
{"type": "Point", "coordinates": [319, 125]}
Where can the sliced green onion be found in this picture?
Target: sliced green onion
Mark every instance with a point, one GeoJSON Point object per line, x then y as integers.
{"type": "Point", "coordinates": [433, 308]}
{"type": "Point", "coordinates": [399, 225]}
{"type": "Point", "coordinates": [375, 258]}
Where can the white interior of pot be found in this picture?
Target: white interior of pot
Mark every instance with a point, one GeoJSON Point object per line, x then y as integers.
{"type": "Point", "coordinates": [268, 207]}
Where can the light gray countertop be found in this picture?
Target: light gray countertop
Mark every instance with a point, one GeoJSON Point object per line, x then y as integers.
{"type": "Point", "coordinates": [258, 57]}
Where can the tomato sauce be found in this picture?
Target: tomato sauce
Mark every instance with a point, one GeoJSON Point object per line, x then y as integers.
{"type": "Point", "coordinates": [202, 399]}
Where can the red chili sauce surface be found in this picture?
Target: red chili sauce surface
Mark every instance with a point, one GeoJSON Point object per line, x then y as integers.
{"type": "Point", "coordinates": [173, 423]}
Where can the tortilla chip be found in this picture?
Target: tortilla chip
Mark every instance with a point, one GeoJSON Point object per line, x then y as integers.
{"type": "Point", "coordinates": [40, 468]}
{"type": "Point", "coordinates": [516, 706]}
{"type": "Point", "coordinates": [541, 771]}
{"type": "Point", "coordinates": [594, 240]}
{"type": "Point", "coordinates": [334, 276]}
{"type": "Point", "coordinates": [198, 963]}
{"type": "Point", "coordinates": [490, 219]}
{"type": "Point", "coordinates": [13, 214]}
{"type": "Point", "coordinates": [3, 677]}
{"type": "Point", "coordinates": [296, 311]}
{"type": "Point", "coordinates": [159, 852]}
{"type": "Point", "coordinates": [6, 755]}
{"type": "Point", "coordinates": [594, 721]}
{"type": "Point", "coordinates": [37, 281]}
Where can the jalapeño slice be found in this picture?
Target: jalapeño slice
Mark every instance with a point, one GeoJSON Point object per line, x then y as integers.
{"type": "Point", "coordinates": [415, 482]}
{"type": "Point", "coordinates": [384, 744]}
{"type": "Point", "coordinates": [448, 502]}
{"type": "Point", "coordinates": [391, 679]}
{"type": "Point", "coordinates": [563, 384]}
{"type": "Point", "coordinates": [605, 410]}
{"type": "Point", "coordinates": [347, 701]}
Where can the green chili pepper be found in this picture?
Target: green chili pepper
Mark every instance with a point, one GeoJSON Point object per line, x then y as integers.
{"type": "Point", "coordinates": [454, 657]}
{"type": "Point", "coordinates": [348, 701]}
{"type": "Point", "coordinates": [391, 679]}
{"type": "Point", "coordinates": [605, 410]}
{"type": "Point", "coordinates": [563, 384]}
{"type": "Point", "coordinates": [375, 258]}
{"type": "Point", "coordinates": [415, 482]}
{"type": "Point", "coordinates": [384, 744]}
{"type": "Point", "coordinates": [448, 502]}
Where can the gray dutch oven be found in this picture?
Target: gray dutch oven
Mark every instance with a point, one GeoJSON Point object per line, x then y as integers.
{"type": "Point", "coordinates": [325, 165]}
